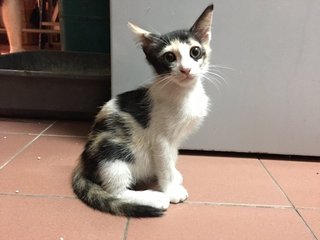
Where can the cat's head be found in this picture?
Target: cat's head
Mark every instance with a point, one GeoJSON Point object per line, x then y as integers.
{"type": "Point", "coordinates": [183, 54]}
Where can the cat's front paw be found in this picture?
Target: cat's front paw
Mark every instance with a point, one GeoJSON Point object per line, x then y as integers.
{"type": "Point", "coordinates": [176, 193]}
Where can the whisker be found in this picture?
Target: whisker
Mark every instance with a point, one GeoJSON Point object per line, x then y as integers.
{"type": "Point", "coordinates": [211, 81]}
{"type": "Point", "coordinates": [146, 81]}
{"type": "Point", "coordinates": [162, 80]}
{"type": "Point", "coordinates": [165, 84]}
{"type": "Point", "coordinates": [219, 76]}
{"type": "Point", "coordinates": [153, 78]}
{"type": "Point", "coordinates": [221, 66]}
{"type": "Point", "coordinates": [162, 76]}
{"type": "Point", "coordinates": [216, 70]}
{"type": "Point", "coordinates": [216, 74]}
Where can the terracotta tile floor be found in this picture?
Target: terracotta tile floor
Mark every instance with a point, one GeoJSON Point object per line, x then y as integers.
{"type": "Point", "coordinates": [230, 197]}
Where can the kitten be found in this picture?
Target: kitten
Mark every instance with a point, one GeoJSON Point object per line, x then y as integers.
{"type": "Point", "coordinates": [136, 135]}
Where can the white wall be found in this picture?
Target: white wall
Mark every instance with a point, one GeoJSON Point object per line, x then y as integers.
{"type": "Point", "coordinates": [271, 103]}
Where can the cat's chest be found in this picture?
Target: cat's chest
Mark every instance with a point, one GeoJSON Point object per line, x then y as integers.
{"type": "Point", "coordinates": [178, 118]}
{"type": "Point", "coordinates": [194, 106]}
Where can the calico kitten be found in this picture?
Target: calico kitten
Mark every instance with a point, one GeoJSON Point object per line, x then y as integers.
{"type": "Point", "coordinates": [136, 135]}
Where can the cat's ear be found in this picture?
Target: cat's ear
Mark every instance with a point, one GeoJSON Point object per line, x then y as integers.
{"type": "Point", "coordinates": [202, 27]}
{"type": "Point", "coordinates": [143, 37]}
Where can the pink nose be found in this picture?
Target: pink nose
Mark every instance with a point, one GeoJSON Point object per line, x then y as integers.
{"type": "Point", "coordinates": [185, 70]}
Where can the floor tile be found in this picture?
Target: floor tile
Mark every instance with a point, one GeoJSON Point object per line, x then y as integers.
{"type": "Point", "coordinates": [31, 218]}
{"type": "Point", "coordinates": [205, 222]}
{"type": "Point", "coordinates": [23, 126]}
{"type": "Point", "coordinates": [44, 206]}
{"type": "Point", "coordinates": [44, 168]}
{"type": "Point", "coordinates": [312, 217]}
{"type": "Point", "coordinates": [70, 128]}
{"type": "Point", "coordinates": [10, 144]}
{"type": "Point", "coordinates": [300, 180]}
{"type": "Point", "coordinates": [225, 179]}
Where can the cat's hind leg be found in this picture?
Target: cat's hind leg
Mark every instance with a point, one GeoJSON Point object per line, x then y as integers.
{"type": "Point", "coordinates": [117, 180]}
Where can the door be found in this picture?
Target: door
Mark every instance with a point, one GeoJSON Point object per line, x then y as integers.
{"type": "Point", "coordinates": [268, 55]}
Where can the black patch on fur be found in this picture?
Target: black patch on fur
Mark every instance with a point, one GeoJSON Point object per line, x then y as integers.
{"type": "Point", "coordinates": [139, 211]}
{"type": "Point", "coordinates": [137, 104]}
{"type": "Point", "coordinates": [114, 151]}
{"type": "Point", "coordinates": [115, 124]}
{"type": "Point", "coordinates": [107, 150]}
{"type": "Point", "coordinates": [114, 145]}
{"type": "Point", "coordinates": [182, 35]}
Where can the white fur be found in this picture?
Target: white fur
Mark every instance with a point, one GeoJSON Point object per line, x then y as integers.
{"type": "Point", "coordinates": [116, 176]}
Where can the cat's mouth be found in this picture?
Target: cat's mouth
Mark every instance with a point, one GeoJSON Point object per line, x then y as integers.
{"type": "Point", "coordinates": [188, 77]}
{"type": "Point", "coordinates": [185, 79]}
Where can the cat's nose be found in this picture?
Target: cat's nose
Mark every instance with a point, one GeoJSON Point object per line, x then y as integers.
{"type": "Point", "coordinates": [185, 70]}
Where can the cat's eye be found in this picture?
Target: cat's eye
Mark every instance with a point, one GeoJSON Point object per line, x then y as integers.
{"type": "Point", "coordinates": [169, 57]}
{"type": "Point", "coordinates": [195, 53]}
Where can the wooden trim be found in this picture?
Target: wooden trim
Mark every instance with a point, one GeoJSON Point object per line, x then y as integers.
{"type": "Point", "coordinates": [35, 30]}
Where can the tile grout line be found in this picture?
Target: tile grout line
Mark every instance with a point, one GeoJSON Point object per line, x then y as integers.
{"type": "Point", "coordinates": [65, 136]}
{"type": "Point", "coordinates": [36, 195]}
{"type": "Point", "coordinates": [224, 204]}
{"type": "Point", "coordinates": [45, 135]}
{"type": "Point", "coordinates": [276, 183]}
{"type": "Point", "coordinates": [25, 147]}
{"type": "Point", "coordinates": [309, 208]}
{"type": "Point", "coordinates": [288, 199]}
{"type": "Point", "coordinates": [19, 133]}
{"type": "Point", "coordinates": [126, 229]}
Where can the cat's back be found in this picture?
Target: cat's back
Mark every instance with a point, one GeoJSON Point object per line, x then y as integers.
{"type": "Point", "coordinates": [137, 104]}
{"type": "Point", "coordinates": [134, 105]}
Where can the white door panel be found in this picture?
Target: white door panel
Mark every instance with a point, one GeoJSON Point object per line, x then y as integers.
{"type": "Point", "coordinates": [270, 102]}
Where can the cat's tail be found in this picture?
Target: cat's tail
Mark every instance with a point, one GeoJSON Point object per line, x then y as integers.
{"type": "Point", "coordinates": [96, 197]}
